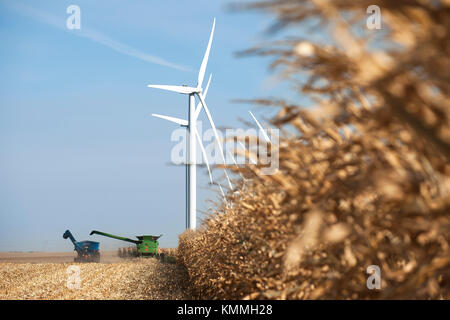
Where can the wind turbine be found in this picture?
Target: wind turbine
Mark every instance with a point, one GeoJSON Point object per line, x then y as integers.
{"type": "Point", "coordinates": [185, 123]}
{"type": "Point", "coordinates": [192, 131]}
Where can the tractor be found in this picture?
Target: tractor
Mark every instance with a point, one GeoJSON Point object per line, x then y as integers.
{"type": "Point", "coordinates": [146, 246]}
{"type": "Point", "coordinates": [88, 251]}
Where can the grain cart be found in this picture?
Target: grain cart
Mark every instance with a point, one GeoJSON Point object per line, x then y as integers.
{"type": "Point", "coordinates": [146, 246]}
{"type": "Point", "coordinates": [88, 251]}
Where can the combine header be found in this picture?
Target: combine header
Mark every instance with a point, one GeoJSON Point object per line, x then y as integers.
{"type": "Point", "coordinates": [146, 246]}
{"type": "Point", "coordinates": [88, 251]}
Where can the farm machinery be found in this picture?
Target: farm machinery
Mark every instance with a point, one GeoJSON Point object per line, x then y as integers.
{"type": "Point", "coordinates": [146, 246]}
{"type": "Point", "coordinates": [88, 251]}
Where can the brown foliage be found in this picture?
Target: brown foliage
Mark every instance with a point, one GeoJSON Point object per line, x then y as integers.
{"type": "Point", "coordinates": [365, 180]}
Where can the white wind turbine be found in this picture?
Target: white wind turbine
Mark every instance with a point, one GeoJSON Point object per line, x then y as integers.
{"type": "Point", "coordinates": [191, 124]}
{"type": "Point", "coordinates": [184, 123]}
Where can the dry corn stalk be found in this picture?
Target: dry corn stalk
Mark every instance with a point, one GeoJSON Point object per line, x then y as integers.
{"type": "Point", "coordinates": [365, 181]}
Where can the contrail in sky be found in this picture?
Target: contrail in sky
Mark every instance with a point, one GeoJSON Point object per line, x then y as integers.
{"type": "Point", "coordinates": [91, 34]}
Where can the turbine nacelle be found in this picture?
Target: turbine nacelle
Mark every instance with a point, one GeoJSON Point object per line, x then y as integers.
{"type": "Point", "coordinates": [201, 73]}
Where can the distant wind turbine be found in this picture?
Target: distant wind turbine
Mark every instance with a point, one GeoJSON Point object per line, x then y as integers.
{"type": "Point", "coordinates": [185, 123]}
{"type": "Point", "coordinates": [191, 124]}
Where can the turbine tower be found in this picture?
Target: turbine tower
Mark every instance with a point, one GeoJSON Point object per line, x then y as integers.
{"type": "Point", "coordinates": [192, 92]}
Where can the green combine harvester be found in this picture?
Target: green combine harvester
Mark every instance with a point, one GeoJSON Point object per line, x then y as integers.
{"type": "Point", "coordinates": [146, 246]}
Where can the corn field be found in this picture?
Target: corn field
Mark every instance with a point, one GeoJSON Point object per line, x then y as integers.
{"type": "Point", "coordinates": [364, 171]}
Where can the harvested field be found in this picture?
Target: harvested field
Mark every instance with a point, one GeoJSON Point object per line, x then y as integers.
{"type": "Point", "coordinates": [127, 279]}
{"type": "Point", "coordinates": [52, 257]}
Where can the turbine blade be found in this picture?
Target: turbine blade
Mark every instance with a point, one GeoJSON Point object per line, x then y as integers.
{"type": "Point", "coordinates": [208, 114]}
{"type": "Point", "coordinates": [201, 73]}
{"type": "Point", "coordinates": [237, 166]}
{"type": "Point", "coordinates": [266, 137]}
{"type": "Point", "coordinates": [204, 156]}
{"type": "Point", "coordinates": [223, 193]}
{"type": "Point", "coordinates": [232, 157]}
{"type": "Point", "coordinates": [204, 93]}
{"type": "Point", "coordinates": [207, 86]}
{"type": "Point", "coordinates": [178, 89]}
{"type": "Point", "coordinates": [181, 122]}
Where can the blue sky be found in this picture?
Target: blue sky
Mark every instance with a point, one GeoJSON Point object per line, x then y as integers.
{"type": "Point", "coordinates": [79, 148]}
